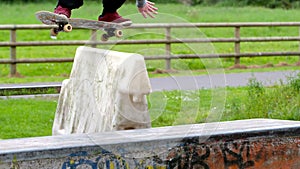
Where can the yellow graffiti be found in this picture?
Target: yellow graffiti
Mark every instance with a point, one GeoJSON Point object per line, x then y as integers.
{"type": "Point", "coordinates": [111, 166]}
{"type": "Point", "coordinates": [72, 162]}
{"type": "Point", "coordinates": [156, 167]}
{"type": "Point", "coordinates": [14, 164]}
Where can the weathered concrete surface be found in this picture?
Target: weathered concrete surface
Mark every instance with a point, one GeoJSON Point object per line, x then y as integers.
{"type": "Point", "coordinates": [245, 144]}
{"type": "Point", "coordinates": [106, 92]}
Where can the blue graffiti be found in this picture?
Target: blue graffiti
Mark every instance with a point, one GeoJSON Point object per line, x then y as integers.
{"type": "Point", "coordinates": [188, 154]}
{"type": "Point", "coordinates": [105, 160]}
{"type": "Point", "coordinates": [72, 164]}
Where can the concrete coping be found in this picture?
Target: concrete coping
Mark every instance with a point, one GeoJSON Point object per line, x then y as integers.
{"type": "Point", "coordinates": [43, 147]}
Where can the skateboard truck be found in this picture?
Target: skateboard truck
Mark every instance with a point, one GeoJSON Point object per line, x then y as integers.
{"type": "Point", "coordinates": [62, 26]}
{"type": "Point", "coordinates": [110, 32]}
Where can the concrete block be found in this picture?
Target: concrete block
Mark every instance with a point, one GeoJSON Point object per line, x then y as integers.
{"type": "Point", "coordinates": [106, 91]}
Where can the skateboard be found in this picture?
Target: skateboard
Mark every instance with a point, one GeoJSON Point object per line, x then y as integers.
{"type": "Point", "coordinates": [65, 24]}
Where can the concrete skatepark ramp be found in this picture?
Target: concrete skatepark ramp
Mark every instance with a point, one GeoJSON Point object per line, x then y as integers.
{"type": "Point", "coordinates": [245, 144]}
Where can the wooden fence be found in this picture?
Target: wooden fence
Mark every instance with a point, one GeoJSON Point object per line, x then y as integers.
{"type": "Point", "coordinates": [167, 41]}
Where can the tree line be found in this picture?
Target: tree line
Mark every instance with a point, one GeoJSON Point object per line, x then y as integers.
{"type": "Point", "coordinates": [287, 4]}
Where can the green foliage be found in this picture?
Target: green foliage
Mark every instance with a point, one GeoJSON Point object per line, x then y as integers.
{"type": "Point", "coordinates": [279, 102]}
{"type": "Point", "coordinates": [264, 3]}
{"type": "Point", "coordinates": [294, 83]}
{"type": "Point", "coordinates": [28, 91]}
{"type": "Point", "coordinates": [286, 4]}
{"type": "Point", "coordinates": [255, 88]}
{"type": "Point", "coordinates": [55, 1]}
{"type": "Point", "coordinates": [31, 1]}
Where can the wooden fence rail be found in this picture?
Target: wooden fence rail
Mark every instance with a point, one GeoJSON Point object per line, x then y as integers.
{"type": "Point", "coordinates": [168, 41]}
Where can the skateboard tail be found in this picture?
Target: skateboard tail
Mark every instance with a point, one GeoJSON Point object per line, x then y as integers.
{"type": "Point", "coordinates": [50, 18]}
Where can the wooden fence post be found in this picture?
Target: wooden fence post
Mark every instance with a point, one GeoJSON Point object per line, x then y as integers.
{"type": "Point", "coordinates": [94, 38]}
{"type": "Point", "coordinates": [237, 44]}
{"type": "Point", "coordinates": [168, 48]}
{"type": "Point", "coordinates": [13, 53]}
{"type": "Point", "coordinates": [299, 43]}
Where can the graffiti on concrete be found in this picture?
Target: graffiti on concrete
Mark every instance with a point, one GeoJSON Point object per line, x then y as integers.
{"type": "Point", "coordinates": [189, 154]}
{"type": "Point", "coordinates": [235, 154]}
{"type": "Point", "coordinates": [192, 154]}
{"type": "Point", "coordinates": [105, 160]}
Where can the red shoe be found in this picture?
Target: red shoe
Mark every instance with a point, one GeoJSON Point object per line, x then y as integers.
{"type": "Point", "coordinates": [63, 11]}
{"type": "Point", "coordinates": [113, 17]}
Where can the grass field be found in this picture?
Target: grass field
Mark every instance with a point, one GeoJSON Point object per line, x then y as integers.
{"type": "Point", "coordinates": [168, 13]}
{"type": "Point", "coordinates": [34, 117]}
{"type": "Point", "coordinates": [26, 117]}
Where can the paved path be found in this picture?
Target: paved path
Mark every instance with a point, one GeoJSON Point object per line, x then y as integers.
{"type": "Point", "coordinates": [219, 80]}
{"type": "Point", "coordinates": [203, 81]}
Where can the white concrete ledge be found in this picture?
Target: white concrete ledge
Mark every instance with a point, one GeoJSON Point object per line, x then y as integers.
{"type": "Point", "coordinates": [258, 142]}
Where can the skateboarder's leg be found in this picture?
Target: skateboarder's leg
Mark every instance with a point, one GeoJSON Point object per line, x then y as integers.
{"type": "Point", "coordinates": [109, 13]}
{"type": "Point", "coordinates": [65, 6]}
{"type": "Point", "coordinates": [71, 4]}
{"type": "Point", "coordinates": [110, 6]}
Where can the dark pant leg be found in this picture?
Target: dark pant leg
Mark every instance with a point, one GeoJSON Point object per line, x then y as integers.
{"type": "Point", "coordinates": [71, 4]}
{"type": "Point", "coordinates": [110, 6]}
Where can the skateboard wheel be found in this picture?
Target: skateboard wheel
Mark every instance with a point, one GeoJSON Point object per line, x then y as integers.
{"type": "Point", "coordinates": [68, 28]}
{"type": "Point", "coordinates": [118, 33]}
{"type": "Point", "coordinates": [104, 37]}
{"type": "Point", "coordinates": [53, 32]}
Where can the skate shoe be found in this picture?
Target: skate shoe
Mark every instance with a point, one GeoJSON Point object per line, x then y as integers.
{"type": "Point", "coordinates": [114, 17]}
{"type": "Point", "coordinates": [63, 11]}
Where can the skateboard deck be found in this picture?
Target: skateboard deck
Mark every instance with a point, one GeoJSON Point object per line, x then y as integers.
{"type": "Point", "coordinates": [65, 24]}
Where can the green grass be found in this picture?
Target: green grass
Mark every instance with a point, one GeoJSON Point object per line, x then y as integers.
{"type": "Point", "coordinates": [26, 117]}
{"type": "Point", "coordinates": [168, 13]}
{"type": "Point", "coordinates": [277, 102]}
{"type": "Point", "coordinates": [34, 117]}
{"type": "Point", "coordinates": [253, 101]}
{"type": "Point", "coordinates": [28, 91]}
